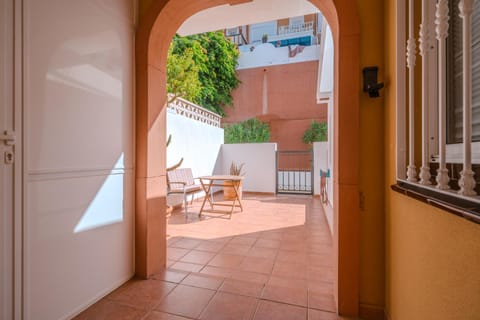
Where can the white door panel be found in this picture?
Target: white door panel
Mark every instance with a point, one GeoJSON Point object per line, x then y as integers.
{"type": "Point", "coordinates": [79, 153]}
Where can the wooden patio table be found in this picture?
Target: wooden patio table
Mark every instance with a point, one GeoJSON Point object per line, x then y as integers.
{"type": "Point", "coordinates": [208, 182]}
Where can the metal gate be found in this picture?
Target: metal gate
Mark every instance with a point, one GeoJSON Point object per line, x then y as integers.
{"type": "Point", "coordinates": [295, 172]}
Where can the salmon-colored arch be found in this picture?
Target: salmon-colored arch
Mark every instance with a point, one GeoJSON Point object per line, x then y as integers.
{"type": "Point", "coordinates": [156, 29]}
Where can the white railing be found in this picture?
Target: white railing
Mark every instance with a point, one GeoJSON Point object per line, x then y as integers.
{"type": "Point", "coordinates": [296, 28]}
{"type": "Point", "coordinates": [434, 30]}
{"type": "Point", "coordinates": [190, 110]}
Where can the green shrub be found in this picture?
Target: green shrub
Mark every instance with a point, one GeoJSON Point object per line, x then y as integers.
{"type": "Point", "coordinates": [318, 131]}
{"type": "Point", "coordinates": [249, 131]}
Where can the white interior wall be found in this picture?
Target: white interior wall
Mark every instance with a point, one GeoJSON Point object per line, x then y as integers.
{"type": "Point", "coordinates": [259, 164]}
{"type": "Point", "coordinates": [79, 145]}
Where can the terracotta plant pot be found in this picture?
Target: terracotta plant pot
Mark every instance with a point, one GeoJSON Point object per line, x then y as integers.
{"type": "Point", "coordinates": [229, 191]}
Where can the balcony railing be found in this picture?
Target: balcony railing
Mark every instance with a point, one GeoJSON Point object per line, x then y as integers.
{"type": "Point", "coordinates": [296, 28]}
{"type": "Point", "coordinates": [237, 38]}
{"type": "Point", "coordinates": [190, 110]}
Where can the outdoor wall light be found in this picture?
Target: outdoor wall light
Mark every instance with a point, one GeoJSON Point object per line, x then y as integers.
{"type": "Point", "coordinates": [370, 84]}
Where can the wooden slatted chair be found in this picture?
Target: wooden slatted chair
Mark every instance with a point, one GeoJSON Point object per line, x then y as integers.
{"type": "Point", "coordinates": [181, 181]}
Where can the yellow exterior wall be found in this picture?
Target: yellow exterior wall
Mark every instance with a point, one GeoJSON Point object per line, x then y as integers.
{"type": "Point", "coordinates": [372, 258]}
{"type": "Point", "coordinates": [432, 257]}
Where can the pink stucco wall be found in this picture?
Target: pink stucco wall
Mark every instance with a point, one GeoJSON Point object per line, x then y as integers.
{"type": "Point", "coordinates": [291, 92]}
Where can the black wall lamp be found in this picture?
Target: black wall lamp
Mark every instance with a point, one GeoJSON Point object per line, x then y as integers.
{"type": "Point", "coordinates": [370, 84]}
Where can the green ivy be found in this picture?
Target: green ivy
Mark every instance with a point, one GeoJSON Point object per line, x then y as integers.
{"type": "Point", "coordinates": [318, 131]}
{"type": "Point", "coordinates": [249, 131]}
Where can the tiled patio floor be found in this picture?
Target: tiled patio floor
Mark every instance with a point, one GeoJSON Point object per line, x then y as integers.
{"type": "Point", "coordinates": [271, 261]}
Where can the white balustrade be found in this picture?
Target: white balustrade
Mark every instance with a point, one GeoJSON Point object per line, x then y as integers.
{"type": "Point", "coordinates": [441, 22]}
{"type": "Point", "coordinates": [467, 182]}
{"type": "Point", "coordinates": [295, 28]}
{"type": "Point", "coordinates": [424, 39]}
{"type": "Point", "coordinates": [427, 47]}
{"type": "Point", "coordinates": [190, 110]}
{"type": "Point", "coordinates": [411, 60]}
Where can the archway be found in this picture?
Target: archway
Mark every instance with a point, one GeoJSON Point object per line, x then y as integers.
{"type": "Point", "coordinates": [156, 29]}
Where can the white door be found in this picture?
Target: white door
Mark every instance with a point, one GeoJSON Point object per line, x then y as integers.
{"type": "Point", "coordinates": [10, 168]}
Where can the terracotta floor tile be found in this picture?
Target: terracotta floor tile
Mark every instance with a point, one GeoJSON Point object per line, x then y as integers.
{"type": "Point", "coordinates": [320, 260]}
{"type": "Point", "coordinates": [289, 282]}
{"type": "Point", "coordinates": [176, 253]}
{"type": "Point", "coordinates": [288, 295]}
{"type": "Point", "coordinates": [267, 243]}
{"type": "Point", "coordinates": [255, 264]}
{"type": "Point", "coordinates": [243, 240]}
{"type": "Point", "coordinates": [186, 243]}
{"type": "Point", "coordinates": [157, 315]}
{"type": "Point", "coordinates": [169, 275]}
{"type": "Point", "coordinates": [242, 287]}
{"type": "Point", "coordinates": [197, 257]}
{"type": "Point", "coordinates": [226, 260]}
{"type": "Point", "coordinates": [186, 266]}
{"type": "Point", "coordinates": [292, 256]}
{"type": "Point", "coordinates": [210, 246]}
{"type": "Point", "coordinates": [106, 310]}
{"type": "Point", "coordinates": [260, 237]}
{"type": "Point", "coordinates": [217, 271]}
{"type": "Point", "coordinates": [142, 294]}
{"type": "Point", "coordinates": [249, 276]}
{"type": "Point", "coordinates": [291, 270]}
{"type": "Point", "coordinates": [299, 246]}
{"type": "Point", "coordinates": [203, 281]}
{"type": "Point", "coordinates": [268, 310]}
{"type": "Point", "coordinates": [226, 306]}
{"type": "Point", "coordinates": [237, 249]}
{"type": "Point", "coordinates": [325, 302]}
{"type": "Point", "coordinates": [321, 315]}
{"type": "Point", "coordinates": [320, 248]}
{"type": "Point", "coordinates": [320, 273]}
{"type": "Point", "coordinates": [186, 301]}
{"type": "Point", "coordinates": [320, 287]}
{"type": "Point", "coordinates": [262, 252]}
{"type": "Point", "coordinates": [272, 235]}
{"type": "Point", "coordinates": [223, 240]}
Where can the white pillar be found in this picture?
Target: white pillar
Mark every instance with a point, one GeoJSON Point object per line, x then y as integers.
{"type": "Point", "coordinates": [424, 39]}
{"type": "Point", "coordinates": [411, 52]}
{"type": "Point", "coordinates": [467, 182]}
{"type": "Point", "coordinates": [441, 22]}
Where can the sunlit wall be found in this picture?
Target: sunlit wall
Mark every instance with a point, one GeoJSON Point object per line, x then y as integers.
{"type": "Point", "coordinates": [78, 146]}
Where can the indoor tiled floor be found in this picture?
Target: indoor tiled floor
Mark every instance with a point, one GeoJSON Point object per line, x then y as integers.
{"type": "Point", "coordinates": [271, 261]}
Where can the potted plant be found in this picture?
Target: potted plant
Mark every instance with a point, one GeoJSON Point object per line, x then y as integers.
{"type": "Point", "coordinates": [228, 190]}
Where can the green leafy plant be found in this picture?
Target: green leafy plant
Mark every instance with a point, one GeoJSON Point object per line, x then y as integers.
{"type": "Point", "coordinates": [183, 75]}
{"type": "Point", "coordinates": [249, 131]}
{"type": "Point", "coordinates": [318, 131]}
{"type": "Point", "coordinates": [215, 58]}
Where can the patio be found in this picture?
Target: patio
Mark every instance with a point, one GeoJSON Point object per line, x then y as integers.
{"type": "Point", "coordinates": [271, 261]}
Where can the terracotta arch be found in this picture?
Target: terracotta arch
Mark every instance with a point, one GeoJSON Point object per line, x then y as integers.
{"type": "Point", "coordinates": [156, 29]}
